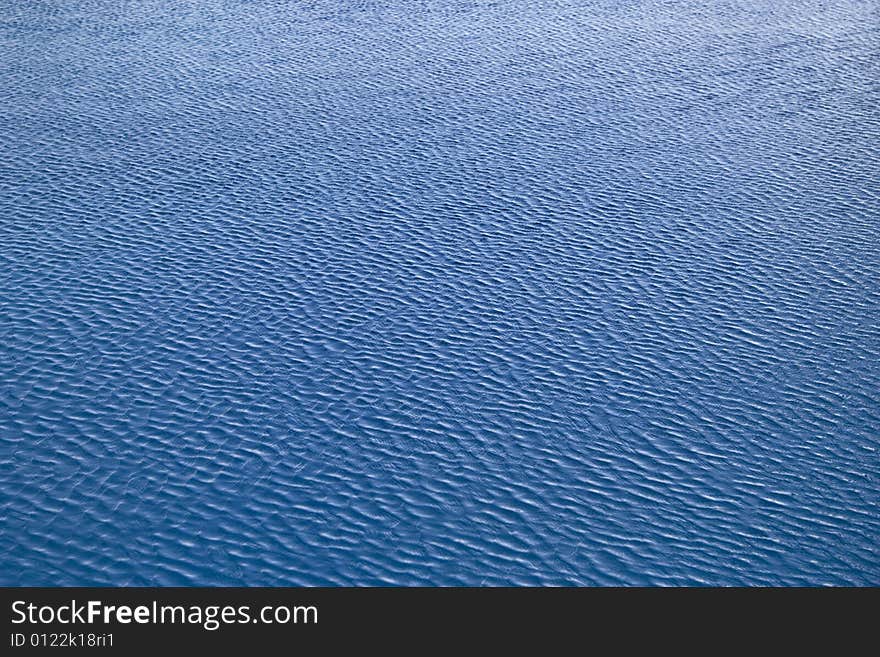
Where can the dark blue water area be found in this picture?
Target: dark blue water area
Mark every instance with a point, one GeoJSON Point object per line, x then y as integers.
{"type": "Point", "coordinates": [440, 292]}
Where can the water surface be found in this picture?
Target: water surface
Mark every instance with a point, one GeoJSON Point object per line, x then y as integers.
{"type": "Point", "coordinates": [439, 292]}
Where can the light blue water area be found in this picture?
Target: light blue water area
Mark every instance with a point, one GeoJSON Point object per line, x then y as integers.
{"type": "Point", "coordinates": [439, 292]}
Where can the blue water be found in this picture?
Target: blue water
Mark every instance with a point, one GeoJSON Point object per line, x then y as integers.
{"type": "Point", "coordinates": [439, 292]}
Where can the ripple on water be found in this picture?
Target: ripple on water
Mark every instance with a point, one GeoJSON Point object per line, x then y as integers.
{"type": "Point", "coordinates": [467, 293]}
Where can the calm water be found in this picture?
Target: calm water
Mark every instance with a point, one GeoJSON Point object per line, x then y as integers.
{"type": "Point", "coordinates": [439, 292]}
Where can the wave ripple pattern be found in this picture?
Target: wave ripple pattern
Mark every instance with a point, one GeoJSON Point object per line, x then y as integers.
{"type": "Point", "coordinates": [454, 292]}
